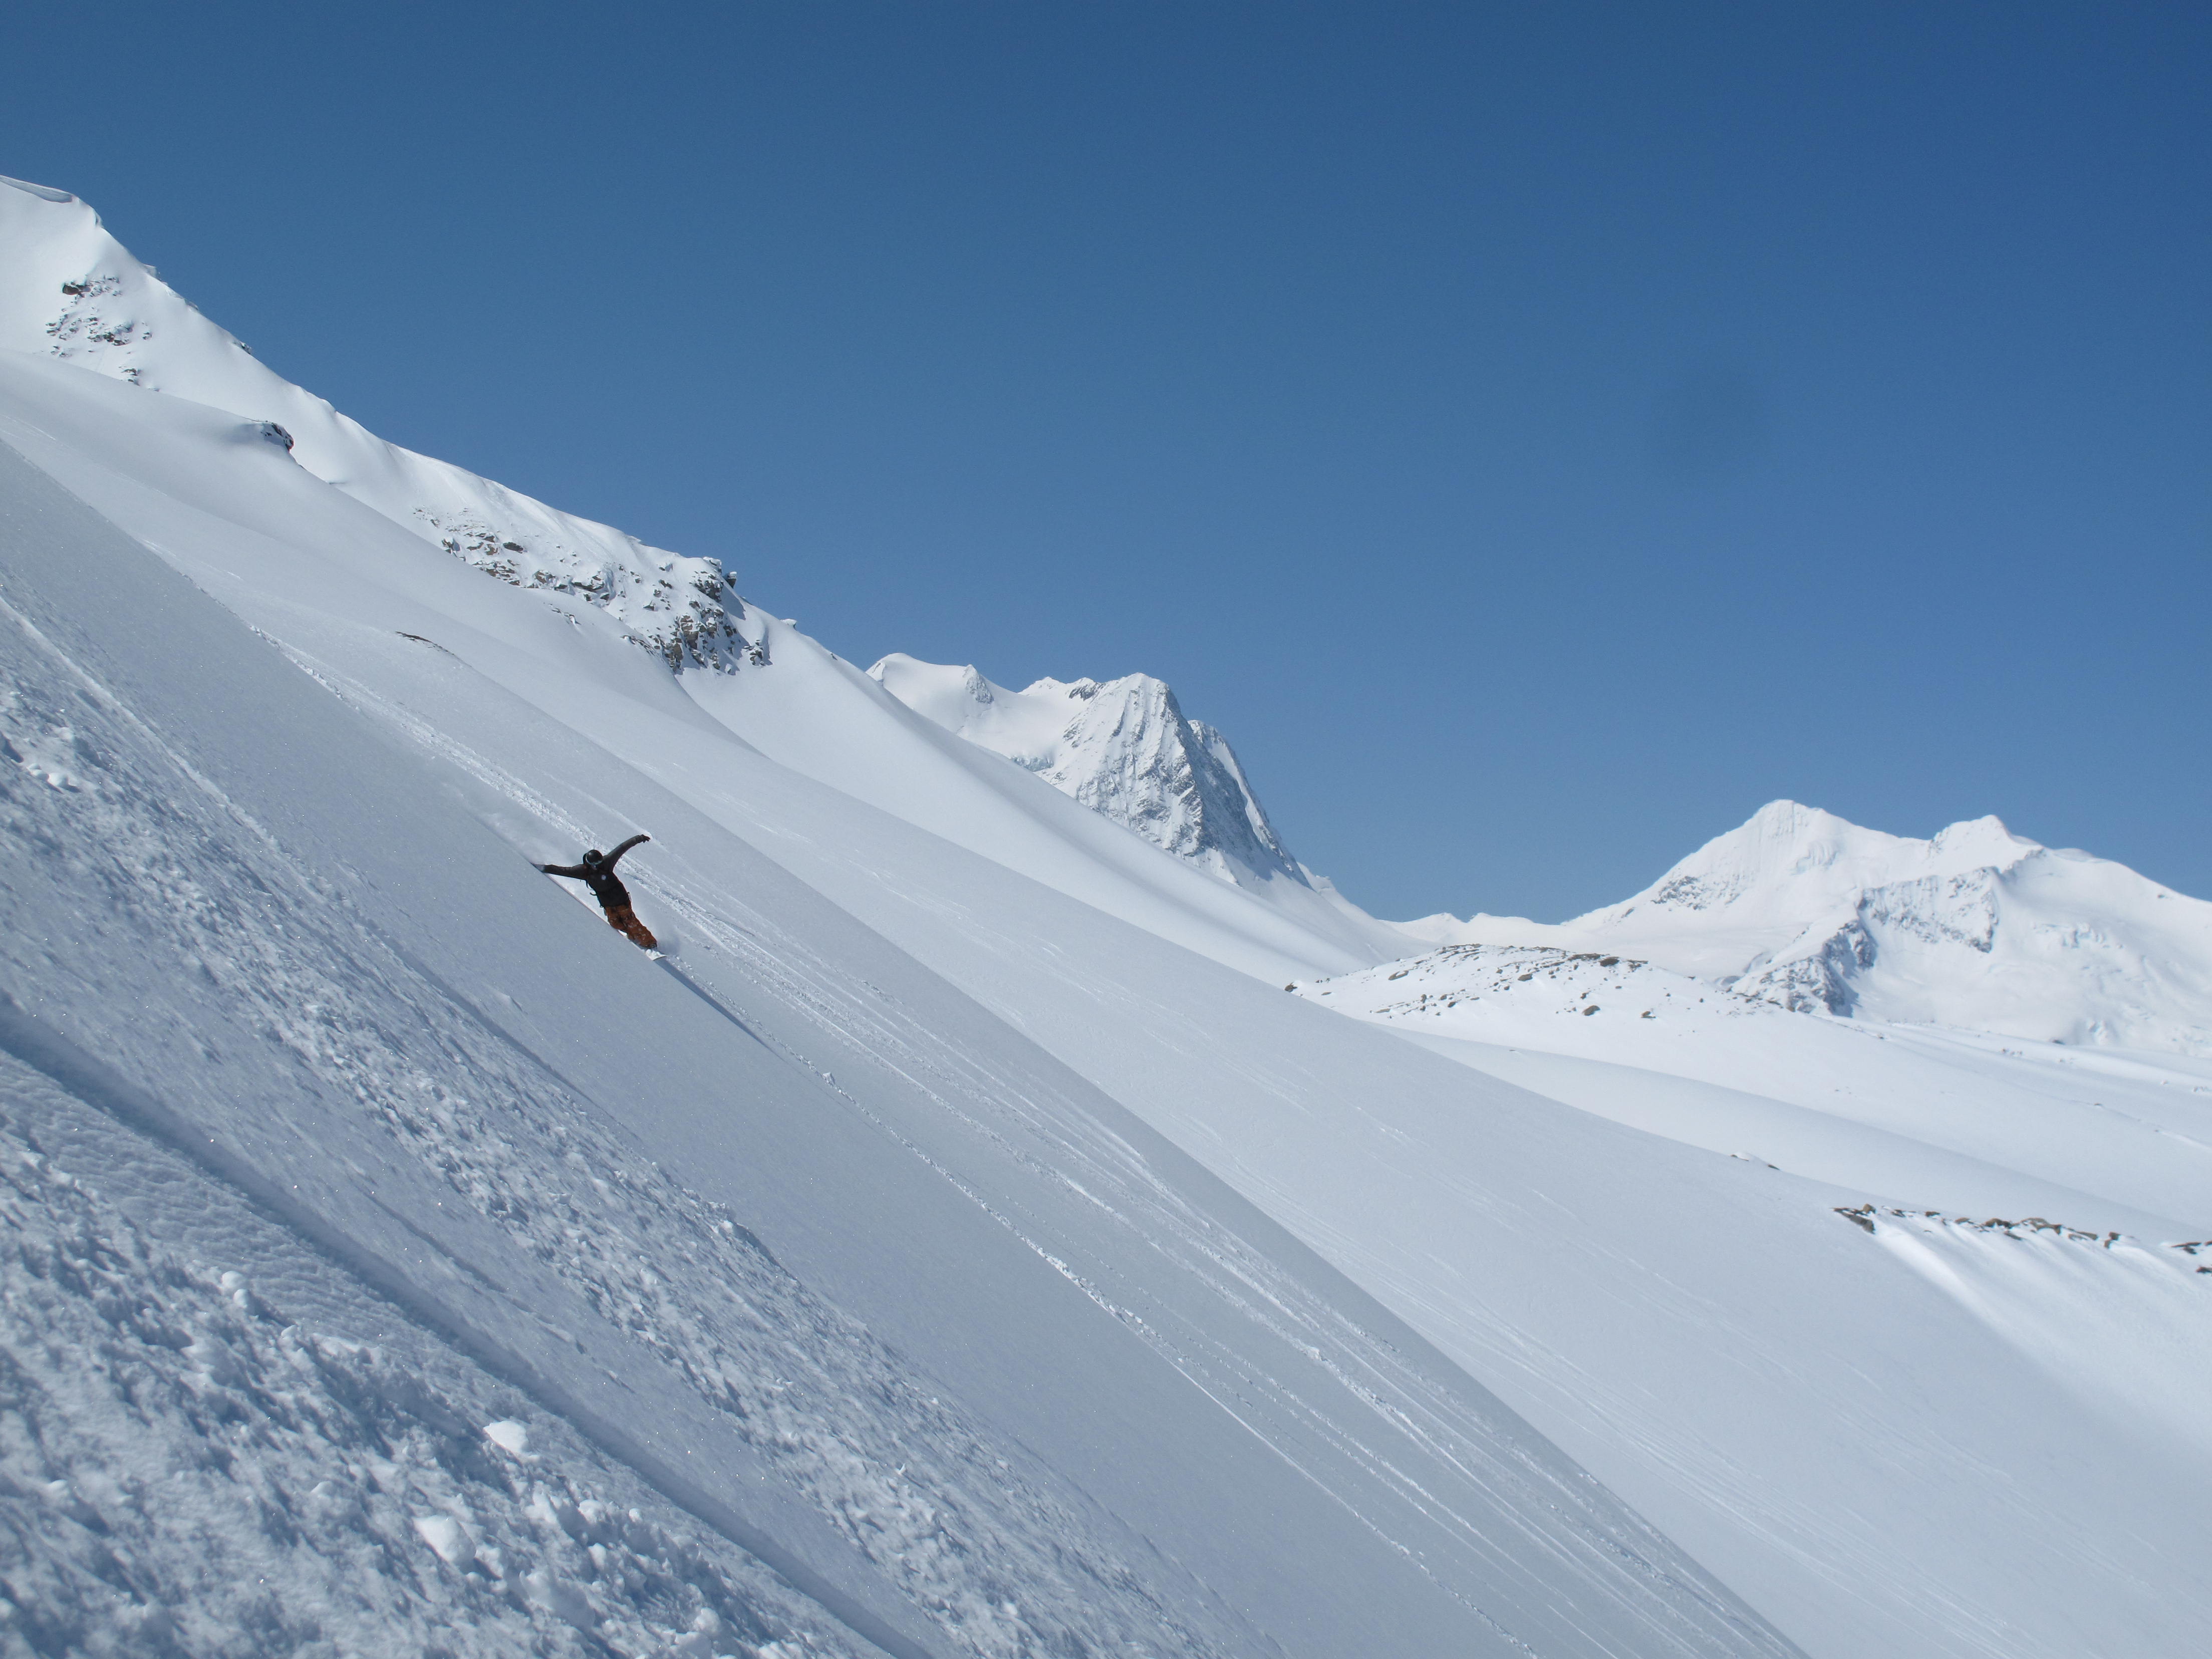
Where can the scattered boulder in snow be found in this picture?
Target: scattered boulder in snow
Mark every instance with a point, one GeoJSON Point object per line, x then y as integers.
{"type": "Point", "coordinates": [1508, 992]}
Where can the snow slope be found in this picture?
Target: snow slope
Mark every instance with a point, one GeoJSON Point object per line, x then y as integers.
{"type": "Point", "coordinates": [932, 1340]}
{"type": "Point", "coordinates": [974, 1255]}
{"type": "Point", "coordinates": [1872, 1469]}
{"type": "Point", "coordinates": [1977, 929]}
{"type": "Point", "coordinates": [2112, 1138]}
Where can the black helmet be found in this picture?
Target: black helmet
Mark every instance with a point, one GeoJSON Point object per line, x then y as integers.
{"type": "Point", "coordinates": [594, 856]}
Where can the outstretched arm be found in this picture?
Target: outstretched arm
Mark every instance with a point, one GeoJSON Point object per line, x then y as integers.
{"type": "Point", "coordinates": [625, 847]}
{"type": "Point", "coordinates": [574, 872]}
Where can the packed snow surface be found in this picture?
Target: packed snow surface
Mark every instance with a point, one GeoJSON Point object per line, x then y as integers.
{"type": "Point", "coordinates": [959, 1243]}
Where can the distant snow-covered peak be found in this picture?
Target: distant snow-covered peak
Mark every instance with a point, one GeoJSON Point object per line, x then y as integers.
{"type": "Point", "coordinates": [69, 290]}
{"type": "Point", "coordinates": [1122, 747]}
{"type": "Point", "coordinates": [1976, 928]}
{"type": "Point", "coordinates": [2050, 944]}
{"type": "Point", "coordinates": [1792, 866]}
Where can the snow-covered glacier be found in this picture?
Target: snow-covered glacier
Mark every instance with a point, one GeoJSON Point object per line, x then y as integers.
{"type": "Point", "coordinates": [959, 1243]}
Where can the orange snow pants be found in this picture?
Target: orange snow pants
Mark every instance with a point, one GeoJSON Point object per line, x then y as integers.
{"type": "Point", "coordinates": [623, 920]}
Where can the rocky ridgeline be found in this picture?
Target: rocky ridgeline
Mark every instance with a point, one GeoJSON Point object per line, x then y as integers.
{"type": "Point", "coordinates": [687, 610]}
{"type": "Point", "coordinates": [80, 297]}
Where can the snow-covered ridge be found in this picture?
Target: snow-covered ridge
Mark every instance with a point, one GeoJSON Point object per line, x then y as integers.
{"type": "Point", "coordinates": [1976, 928]}
{"type": "Point", "coordinates": [69, 290]}
{"type": "Point", "coordinates": [71, 294]}
{"type": "Point", "coordinates": [1121, 747]}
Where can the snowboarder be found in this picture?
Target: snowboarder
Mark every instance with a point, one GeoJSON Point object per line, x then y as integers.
{"type": "Point", "coordinates": [597, 872]}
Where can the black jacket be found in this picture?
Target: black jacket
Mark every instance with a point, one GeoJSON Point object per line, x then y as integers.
{"type": "Point", "coordinates": [599, 876]}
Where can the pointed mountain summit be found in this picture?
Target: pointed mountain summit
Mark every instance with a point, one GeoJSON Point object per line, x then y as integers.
{"type": "Point", "coordinates": [1121, 747]}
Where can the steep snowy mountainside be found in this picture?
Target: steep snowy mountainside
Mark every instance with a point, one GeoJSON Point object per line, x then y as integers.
{"type": "Point", "coordinates": [136, 331]}
{"type": "Point", "coordinates": [1807, 1426]}
{"type": "Point", "coordinates": [1977, 929]}
{"type": "Point", "coordinates": [1121, 747]}
{"type": "Point", "coordinates": [70, 291]}
{"type": "Point", "coordinates": [930, 1327]}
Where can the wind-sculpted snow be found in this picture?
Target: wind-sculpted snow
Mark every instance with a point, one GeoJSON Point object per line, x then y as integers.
{"type": "Point", "coordinates": [1122, 748]}
{"type": "Point", "coordinates": [1509, 992]}
{"type": "Point", "coordinates": [2125, 1322]}
{"type": "Point", "coordinates": [69, 290]}
{"type": "Point", "coordinates": [1858, 1101]}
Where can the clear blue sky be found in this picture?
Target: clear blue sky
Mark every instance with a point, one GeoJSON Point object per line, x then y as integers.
{"type": "Point", "coordinates": [1538, 435]}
